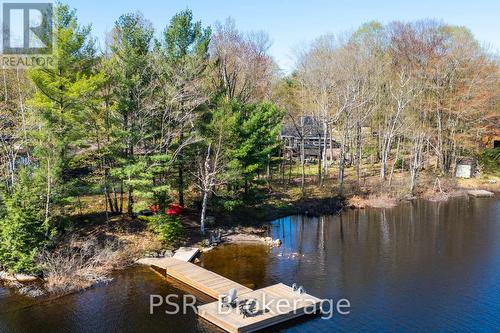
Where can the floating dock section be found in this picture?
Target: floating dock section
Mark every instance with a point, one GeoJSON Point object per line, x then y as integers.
{"type": "Point", "coordinates": [274, 304]}
{"type": "Point", "coordinates": [480, 193]}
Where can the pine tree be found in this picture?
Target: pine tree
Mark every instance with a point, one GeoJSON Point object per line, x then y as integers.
{"type": "Point", "coordinates": [131, 46]}
{"type": "Point", "coordinates": [185, 45]}
{"type": "Point", "coordinates": [258, 132]}
{"type": "Point", "coordinates": [24, 231]}
{"type": "Point", "coordinates": [63, 92]}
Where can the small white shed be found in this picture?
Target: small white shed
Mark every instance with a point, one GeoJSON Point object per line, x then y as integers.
{"type": "Point", "coordinates": [466, 167]}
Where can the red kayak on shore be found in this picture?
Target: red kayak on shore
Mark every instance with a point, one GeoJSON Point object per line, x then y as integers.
{"type": "Point", "coordinates": [173, 209]}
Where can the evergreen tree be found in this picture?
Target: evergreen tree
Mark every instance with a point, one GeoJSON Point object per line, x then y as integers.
{"type": "Point", "coordinates": [63, 92]}
{"type": "Point", "coordinates": [258, 133]}
{"type": "Point", "coordinates": [131, 46]}
{"type": "Point", "coordinates": [24, 231]}
{"type": "Point", "coordinates": [185, 45]}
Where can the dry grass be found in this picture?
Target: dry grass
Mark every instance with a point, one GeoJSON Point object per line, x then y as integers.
{"type": "Point", "coordinates": [441, 189]}
{"type": "Point", "coordinates": [79, 264]}
{"type": "Point", "coordinates": [357, 201]}
{"type": "Point", "coordinates": [435, 196]}
{"type": "Point", "coordinates": [373, 200]}
{"type": "Point", "coordinates": [485, 183]}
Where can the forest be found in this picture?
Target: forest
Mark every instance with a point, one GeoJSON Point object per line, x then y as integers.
{"type": "Point", "coordinates": [192, 115]}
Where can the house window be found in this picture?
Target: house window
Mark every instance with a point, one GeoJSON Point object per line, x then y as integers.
{"type": "Point", "coordinates": [496, 144]}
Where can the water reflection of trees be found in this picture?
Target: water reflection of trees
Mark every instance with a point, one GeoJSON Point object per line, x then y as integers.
{"type": "Point", "coordinates": [380, 246]}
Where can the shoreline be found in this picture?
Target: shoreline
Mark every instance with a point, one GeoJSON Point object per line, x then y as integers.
{"type": "Point", "coordinates": [252, 228]}
{"type": "Point", "coordinates": [287, 256]}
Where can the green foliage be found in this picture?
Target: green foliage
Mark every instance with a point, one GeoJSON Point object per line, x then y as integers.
{"type": "Point", "coordinates": [490, 161]}
{"type": "Point", "coordinates": [136, 122]}
{"type": "Point", "coordinates": [66, 90]}
{"type": "Point", "coordinates": [168, 228]}
{"type": "Point", "coordinates": [131, 75]}
{"type": "Point", "coordinates": [368, 30]}
{"type": "Point", "coordinates": [145, 175]}
{"type": "Point", "coordinates": [250, 137]}
{"type": "Point", "coordinates": [400, 163]}
{"type": "Point", "coordinates": [185, 38]}
{"type": "Point", "coordinates": [231, 205]}
{"type": "Point", "coordinates": [176, 62]}
{"type": "Point", "coordinates": [65, 87]}
{"type": "Point", "coordinates": [132, 36]}
{"type": "Point", "coordinates": [257, 139]}
{"type": "Point", "coordinates": [24, 231]}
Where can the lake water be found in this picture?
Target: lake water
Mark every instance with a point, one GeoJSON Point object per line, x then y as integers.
{"type": "Point", "coordinates": [421, 266]}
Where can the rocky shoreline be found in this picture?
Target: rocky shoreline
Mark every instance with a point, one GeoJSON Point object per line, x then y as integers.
{"type": "Point", "coordinates": [218, 237]}
{"type": "Point", "coordinates": [21, 278]}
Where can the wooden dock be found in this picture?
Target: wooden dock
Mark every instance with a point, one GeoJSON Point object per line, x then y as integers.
{"type": "Point", "coordinates": [198, 277]}
{"type": "Point", "coordinates": [480, 193]}
{"type": "Point", "coordinates": [275, 304]}
{"type": "Point", "coordinates": [268, 311]}
{"type": "Point", "coordinates": [186, 253]}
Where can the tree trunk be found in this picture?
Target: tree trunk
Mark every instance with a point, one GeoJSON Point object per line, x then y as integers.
{"type": "Point", "coordinates": [204, 205]}
{"type": "Point", "coordinates": [180, 185]}
{"type": "Point", "coordinates": [358, 152]}
{"type": "Point", "coordinates": [130, 201]}
{"type": "Point", "coordinates": [320, 152]}
{"type": "Point", "coordinates": [268, 172]}
{"type": "Point", "coordinates": [302, 166]}
{"type": "Point", "coordinates": [283, 165]}
{"type": "Point", "coordinates": [325, 159]}
{"type": "Point", "coordinates": [342, 160]}
{"type": "Point", "coordinates": [121, 197]}
{"type": "Point", "coordinates": [416, 160]}
{"type": "Point", "coordinates": [49, 188]}
{"type": "Point", "coordinates": [394, 162]}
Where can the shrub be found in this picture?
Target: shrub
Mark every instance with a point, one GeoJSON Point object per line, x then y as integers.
{"type": "Point", "coordinates": [23, 228]}
{"type": "Point", "coordinates": [400, 163]}
{"type": "Point", "coordinates": [79, 265]}
{"type": "Point", "coordinates": [231, 205]}
{"type": "Point", "coordinates": [490, 161]}
{"type": "Point", "coordinates": [168, 228]}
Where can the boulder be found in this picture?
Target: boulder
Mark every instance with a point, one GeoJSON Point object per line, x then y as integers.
{"type": "Point", "coordinates": [210, 220]}
{"type": "Point", "coordinates": [17, 277]}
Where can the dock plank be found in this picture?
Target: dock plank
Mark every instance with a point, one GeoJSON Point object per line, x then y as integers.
{"type": "Point", "coordinates": [186, 253]}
